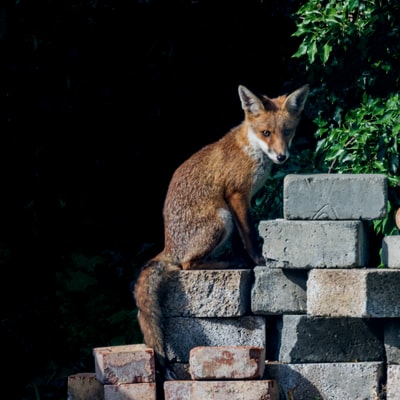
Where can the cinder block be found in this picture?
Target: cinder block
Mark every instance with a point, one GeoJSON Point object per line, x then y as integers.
{"type": "Point", "coordinates": [130, 391]}
{"type": "Point", "coordinates": [124, 364]}
{"type": "Point", "coordinates": [360, 293]}
{"type": "Point", "coordinates": [315, 244]}
{"type": "Point", "coordinates": [222, 390]}
{"type": "Point", "coordinates": [391, 251]}
{"type": "Point", "coordinates": [84, 386]}
{"type": "Point", "coordinates": [227, 362]}
{"type": "Point", "coordinates": [182, 334]}
{"type": "Point", "coordinates": [209, 293]}
{"type": "Point", "coordinates": [277, 291]}
{"type": "Point", "coordinates": [392, 340]}
{"type": "Point", "coordinates": [335, 196]}
{"type": "Point", "coordinates": [393, 382]}
{"type": "Point", "coordinates": [328, 381]}
{"type": "Point", "coordinates": [304, 339]}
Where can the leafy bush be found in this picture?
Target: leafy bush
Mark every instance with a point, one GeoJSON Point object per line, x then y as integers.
{"type": "Point", "coordinates": [350, 52]}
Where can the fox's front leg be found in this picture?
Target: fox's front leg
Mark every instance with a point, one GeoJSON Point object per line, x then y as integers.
{"type": "Point", "coordinates": [240, 208]}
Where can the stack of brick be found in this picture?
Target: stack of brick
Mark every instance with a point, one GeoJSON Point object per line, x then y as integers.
{"type": "Point", "coordinates": [327, 318]}
{"type": "Point", "coordinates": [336, 317]}
{"type": "Point", "coordinates": [217, 373]}
{"type": "Point", "coordinates": [222, 373]}
{"type": "Point", "coordinates": [121, 373]}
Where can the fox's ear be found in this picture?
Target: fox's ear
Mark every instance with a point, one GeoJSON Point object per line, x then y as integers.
{"type": "Point", "coordinates": [250, 102]}
{"type": "Point", "coordinates": [295, 102]}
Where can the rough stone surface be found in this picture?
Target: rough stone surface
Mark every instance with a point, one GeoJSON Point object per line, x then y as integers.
{"type": "Point", "coordinates": [361, 293]}
{"type": "Point", "coordinates": [335, 196]}
{"type": "Point", "coordinates": [182, 334]}
{"type": "Point", "coordinates": [315, 244]}
{"type": "Point", "coordinates": [277, 291]}
{"type": "Point", "coordinates": [392, 340]}
{"type": "Point", "coordinates": [393, 382]}
{"type": "Point", "coordinates": [227, 362]}
{"type": "Point", "coordinates": [222, 390]}
{"type": "Point", "coordinates": [84, 386]}
{"type": "Point", "coordinates": [124, 364]}
{"type": "Point", "coordinates": [130, 391]}
{"type": "Point", "coordinates": [305, 340]}
{"type": "Point", "coordinates": [391, 251]}
{"type": "Point", "coordinates": [330, 381]}
{"type": "Point", "coordinates": [211, 293]}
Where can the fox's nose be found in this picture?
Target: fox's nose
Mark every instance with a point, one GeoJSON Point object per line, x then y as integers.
{"type": "Point", "coordinates": [281, 157]}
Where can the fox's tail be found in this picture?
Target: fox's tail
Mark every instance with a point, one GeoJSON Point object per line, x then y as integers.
{"type": "Point", "coordinates": [149, 292]}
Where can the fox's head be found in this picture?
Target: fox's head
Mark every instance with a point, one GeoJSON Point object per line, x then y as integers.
{"type": "Point", "coordinates": [271, 123]}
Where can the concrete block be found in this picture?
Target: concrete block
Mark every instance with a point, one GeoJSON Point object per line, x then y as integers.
{"type": "Point", "coordinates": [360, 293]}
{"type": "Point", "coordinates": [312, 244]}
{"type": "Point", "coordinates": [393, 382]}
{"type": "Point", "coordinates": [227, 362]}
{"type": "Point", "coordinates": [130, 391]}
{"type": "Point", "coordinates": [304, 339]}
{"type": "Point", "coordinates": [124, 364]}
{"type": "Point", "coordinates": [335, 196]}
{"type": "Point", "coordinates": [84, 386]}
{"type": "Point", "coordinates": [328, 381]}
{"type": "Point", "coordinates": [279, 291]}
{"type": "Point", "coordinates": [221, 390]}
{"type": "Point", "coordinates": [209, 293]}
{"type": "Point", "coordinates": [182, 334]}
{"type": "Point", "coordinates": [391, 251]}
{"type": "Point", "coordinates": [392, 340]}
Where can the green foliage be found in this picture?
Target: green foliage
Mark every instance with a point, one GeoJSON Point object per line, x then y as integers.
{"type": "Point", "coordinates": [350, 51]}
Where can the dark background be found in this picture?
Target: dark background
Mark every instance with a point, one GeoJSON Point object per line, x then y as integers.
{"type": "Point", "coordinates": [99, 102]}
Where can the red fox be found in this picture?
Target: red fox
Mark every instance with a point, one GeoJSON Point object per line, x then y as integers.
{"type": "Point", "coordinates": [209, 194]}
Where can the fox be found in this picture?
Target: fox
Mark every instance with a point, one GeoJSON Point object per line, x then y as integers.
{"type": "Point", "coordinates": [209, 195]}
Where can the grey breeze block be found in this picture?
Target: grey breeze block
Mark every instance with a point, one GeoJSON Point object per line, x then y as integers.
{"type": "Point", "coordinates": [304, 339]}
{"type": "Point", "coordinates": [361, 293]}
{"type": "Point", "coordinates": [335, 196]}
{"type": "Point", "coordinates": [311, 244]}
{"type": "Point", "coordinates": [391, 251]}
{"type": "Point", "coordinates": [208, 293]}
{"type": "Point", "coordinates": [182, 334]}
{"type": "Point", "coordinates": [328, 381]}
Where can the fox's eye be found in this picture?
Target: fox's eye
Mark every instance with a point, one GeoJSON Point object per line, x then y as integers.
{"type": "Point", "coordinates": [287, 132]}
{"type": "Point", "coordinates": [266, 133]}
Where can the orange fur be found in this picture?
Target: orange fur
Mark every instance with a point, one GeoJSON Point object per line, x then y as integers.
{"type": "Point", "coordinates": [209, 194]}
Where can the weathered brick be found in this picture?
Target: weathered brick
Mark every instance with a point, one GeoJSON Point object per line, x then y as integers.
{"type": "Point", "coordinates": [130, 391]}
{"type": "Point", "coordinates": [391, 251]}
{"type": "Point", "coordinates": [182, 334]}
{"type": "Point", "coordinates": [226, 362]}
{"type": "Point", "coordinates": [278, 291]}
{"type": "Point", "coordinates": [222, 390]}
{"type": "Point", "coordinates": [361, 293]}
{"type": "Point", "coordinates": [84, 386]}
{"type": "Point", "coordinates": [328, 381]}
{"type": "Point", "coordinates": [124, 364]}
{"type": "Point", "coordinates": [315, 244]}
{"type": "Point", "coordinates": [335, 196]}
{"type": "Point", "coordinates": [208, 293]}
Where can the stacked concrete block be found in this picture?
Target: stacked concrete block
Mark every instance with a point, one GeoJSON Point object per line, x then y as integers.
{"type": "Point", "coordinates": [332, 339]}
{"type": "Point", "coordinates": [209, 308]}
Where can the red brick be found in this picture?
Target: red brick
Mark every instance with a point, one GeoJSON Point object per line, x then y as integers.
{"type": "Point", "coordinates": [221, 390]}
{"type": "Point", "coordinates": [124, 364]}
{"type": "Point", "coordinates": [227, 362]}
{"type": "Point", "coordinates": [84, 386]}
{"type": "Point", "coordinates": [130, 391]}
